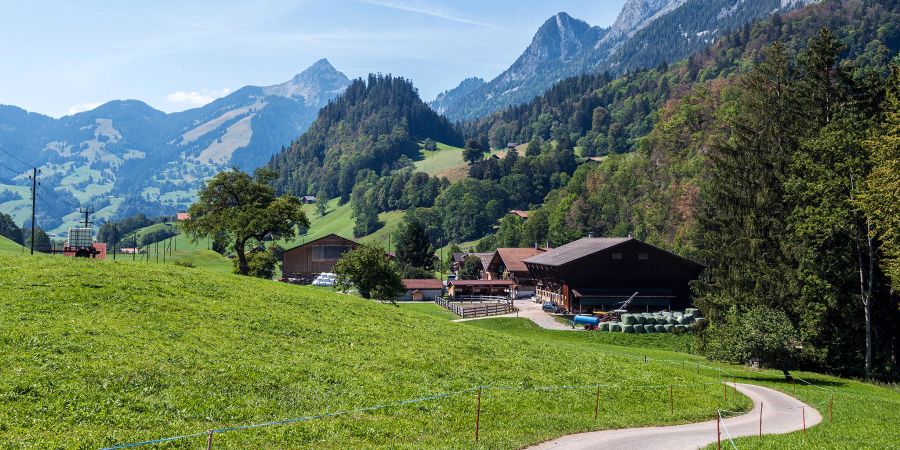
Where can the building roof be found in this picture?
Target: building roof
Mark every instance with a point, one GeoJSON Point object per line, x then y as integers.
{"type": "Point", "coordinates": [520, 213]}
{"type": "Point", "coordinates": [485, 259]}
{"type": "Point", "coordinates": [459, 257]}
{"type": "Point", "coordinates": [323, 237]}
{"type": "Point", "coordinates": [575, 250]}
{"type": "Point", "coordinates": [423, 284]}
{"type": "Point", "coordinates": [512, 258]}
{"type": "Point", "coordinates": [309, 198]}
{"type": "Point", "coordinates": [480, 283]}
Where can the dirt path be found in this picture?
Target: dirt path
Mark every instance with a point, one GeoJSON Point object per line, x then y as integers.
{"type": "Point", "coordinates": [533, 312]}
{"type": "Point", "coordinates": [781, 414]}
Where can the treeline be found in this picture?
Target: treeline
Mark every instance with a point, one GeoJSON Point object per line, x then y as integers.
{"type": "Point", "coordinates": [121, 231]}
{"type": "Point", "coordinates": [375, 124]}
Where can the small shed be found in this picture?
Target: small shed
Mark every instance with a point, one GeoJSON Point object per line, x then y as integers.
{"type": "Point", "coordinates": [422, 289]}
{"type": "Point", "coordinates": [494, 288]}
{"type": "Point", "coordinates": [520, 213]}
{"type": "Point", "coordinates": [308, 199]}
{"type": "Point", "coordinates": [315, 257]}
{"type": "Point", "coordinates": [182, 216]}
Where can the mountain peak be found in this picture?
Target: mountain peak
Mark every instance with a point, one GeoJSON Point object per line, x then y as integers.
{"type": "Point", "coordinates": [316, 84]}
{"type": "Point", "coordinates": [637, 14]}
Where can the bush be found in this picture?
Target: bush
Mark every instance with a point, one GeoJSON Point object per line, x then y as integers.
{"type": "Point", "coordinates": [760, 334]}
{"type": "Point", "coordinates": [185, 264]}
{"type": "Point", "coordinates": [260, 264]}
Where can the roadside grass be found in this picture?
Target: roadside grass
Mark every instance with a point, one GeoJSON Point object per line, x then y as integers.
{"type": "Point", "coordinates": [97, 353]}
{"type": "Point", "coordinates": [430, 309]}
{"type": "Point", "coordinates": [865, 415]}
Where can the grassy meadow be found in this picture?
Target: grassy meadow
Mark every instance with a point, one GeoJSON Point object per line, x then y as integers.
{"type": "Point", "coordinates": [98, 353]}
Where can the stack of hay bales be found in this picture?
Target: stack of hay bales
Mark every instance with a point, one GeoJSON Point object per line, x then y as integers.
{"type": "Point", "coordinates": [661, 322]}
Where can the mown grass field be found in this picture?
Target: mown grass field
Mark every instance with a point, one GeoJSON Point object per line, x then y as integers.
{"type": "Point", "coordinates": [97, 353]}
{"type": "Point", "coordinates": [339, 220]}
{"type": "Point", "coordinates": [865, 415]}
{"type": "Point", "coordinates": [183, 251]}
{"type": "Point", "coordinates": [9, 247]}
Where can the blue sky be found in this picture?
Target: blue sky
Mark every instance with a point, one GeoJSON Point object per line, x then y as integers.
{"type": "Point", "coordinates": [61, 57]}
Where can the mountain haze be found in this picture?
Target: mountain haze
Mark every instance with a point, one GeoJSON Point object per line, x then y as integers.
{"type": "Point", "coordinates": [125, 156]}
{"type": "Point", "coordinates": [646, 33]}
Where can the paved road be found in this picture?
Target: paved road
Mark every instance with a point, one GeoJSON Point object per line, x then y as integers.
{"type": "Point", "coordinates": [781, 414]}
{"type": "Point", "coordinates": [531, 311]}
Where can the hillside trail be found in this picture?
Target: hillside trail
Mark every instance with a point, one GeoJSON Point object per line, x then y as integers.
{"type": "Point", "coordinates": [781, 414]}
{"type": "Point", "coordinates": [533, 312]}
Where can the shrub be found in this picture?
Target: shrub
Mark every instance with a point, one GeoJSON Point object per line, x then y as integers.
{"type": "Point", "coordinates": [760, 334]}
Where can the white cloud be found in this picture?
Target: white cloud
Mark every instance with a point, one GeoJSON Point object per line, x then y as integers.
{"type": "Point", "coordinates": [196, 98]}
{"type": "Point", "coordinates": [82, 107]}
{"type": "Point", "coordinates": [425, 8]}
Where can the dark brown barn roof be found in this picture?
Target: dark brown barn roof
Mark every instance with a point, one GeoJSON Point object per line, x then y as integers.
{"type": "Point", "coordinates": [575, 250]}
{"type": "Point", "coordinates": [480, 283]}
{"type": "Point", "coordinates": [513, 257]}
{"type": "Point", "coordinates": [413, 284]}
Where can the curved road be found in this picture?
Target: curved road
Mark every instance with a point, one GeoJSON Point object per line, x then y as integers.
{"type": "Point", "coordinates": [781, 414]}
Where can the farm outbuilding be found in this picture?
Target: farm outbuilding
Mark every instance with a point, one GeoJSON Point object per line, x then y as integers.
{"type": "Point", "coordinates": [601, 273]}
{"type": "Point", "coordinates": [507, 264]}
{"type": "Point", "coordinates": [422, 289]}
{"type": "Point", "coordinates": [315, 257]}
{"type": "Point", "coordinates": [494, 288]}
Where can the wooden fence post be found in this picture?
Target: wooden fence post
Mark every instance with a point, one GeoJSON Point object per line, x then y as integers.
{"type": "Point", "coordinates": [760, 417]}
{"type": "Point", "coordinates": [597, 403]}
{"type": "Point", "coordinates": [478, 414]}
{"type": "Point", "coordinates": [830, 408]}
{"type": "Point", "coordinates": [209, 440]}
{"type": "Point", "coordinates": [725, 389]}
{"type": "Point", "coordinates": [803, 413]}
{"type": "Point", "coordinates": [718, 431]}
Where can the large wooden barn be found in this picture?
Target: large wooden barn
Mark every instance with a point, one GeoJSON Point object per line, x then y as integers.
{"type": "Point", "coordinates": [601, 273]}
{"type": "Point", "coordinates": [315, 257]}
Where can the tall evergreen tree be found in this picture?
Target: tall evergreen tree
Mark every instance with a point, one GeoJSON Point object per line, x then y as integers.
{"type": "Point", "coordinates": [413, 247]}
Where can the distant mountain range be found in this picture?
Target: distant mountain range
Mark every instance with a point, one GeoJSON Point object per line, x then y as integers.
{"type": "Point", "coordinates": [645, 34]}
{"type": "Point", "coordinates": [125, 155]}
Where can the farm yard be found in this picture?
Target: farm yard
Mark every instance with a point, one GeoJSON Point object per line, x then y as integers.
{"type": "Point", "coordinates": [114, 359]}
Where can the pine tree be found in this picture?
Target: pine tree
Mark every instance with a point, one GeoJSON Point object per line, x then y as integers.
{"type": "Point", "coordinates": [413, 247]}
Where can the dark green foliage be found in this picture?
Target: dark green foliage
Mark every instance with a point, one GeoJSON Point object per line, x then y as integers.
{"type": "Point", "coordinates": [260, 264]}
{"type": "Point", "coordinates": [415, 273]}
{"type": "Point", "coordinates": [370, 126]}
{"type": "Point", "coordinates": [759, 334]}
{"type": "Point", "coordinates": [368, 270]}
{"type": "Point", "coordinates": [120, 230]}
{"type": "Point", "coordinates": [246, 209]}
{"type": "Point", "coordinates": [413, 248]}
{"type": "Point", "coordinates": [471, 268]}
{"type": "Point", "coordinates": [9, 229]}
{"type": "Point", "coordinates": [473, 152]}
{"type": "Point", "coordinates": [42, 241]}
{"type": "Point", "coordinates": [429, 145]}
{"type": "Point", "coordinates": [322, 204]}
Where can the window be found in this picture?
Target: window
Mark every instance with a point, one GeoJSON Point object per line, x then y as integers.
{"type": "Point", "coordinates": [328, 252]}
{"type": "Point", "coordinates": [643, 256]}
{"type": "Point", "coordinates": [617, 256]}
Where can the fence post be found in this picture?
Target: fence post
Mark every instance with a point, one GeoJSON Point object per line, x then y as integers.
{"type": "Point", "coordinates": [718, 430]}
{"type": "Point", "coordinates": [597, 403]}
{"type": "Point", "coordinates": [830, 408]}
{"type": "Point", "coordinates": [477, 414]}
{"type": "Point", "coordinates": [698, 369]}
{"type": "Point", "coordinates": [725, 390]}
{"type": "Point", "coordinates": [209, 440]}
{"type": "Point", "coordinates": [671, 401]}
{"type": "Point", "coordinates": [803, 412]}
{"type": "Point", "coordinates": [760, 417]}
{"type": "Point", "coordinates": [735, 385]}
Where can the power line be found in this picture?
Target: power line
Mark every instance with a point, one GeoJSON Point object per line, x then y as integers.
{"type": "Point", "coordinates": [16, 158]}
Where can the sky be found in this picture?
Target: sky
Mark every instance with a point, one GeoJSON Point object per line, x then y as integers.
{"type": "Point", "coordinates": [62, 57]}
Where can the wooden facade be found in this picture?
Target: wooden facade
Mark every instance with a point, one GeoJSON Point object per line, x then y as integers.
{"type": "Point", "coordinates": [601, 273]}
{"type": "Point", "coordinates": [315, 257]}
{"type": "Point", "coordinates": [507, 264]}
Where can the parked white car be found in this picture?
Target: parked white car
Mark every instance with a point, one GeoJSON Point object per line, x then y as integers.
{"type": "Point", "coordinates": [325, 279]}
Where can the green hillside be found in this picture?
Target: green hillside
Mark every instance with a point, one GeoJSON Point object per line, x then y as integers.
{"type": "Point", "coordinates": [339, 220]}
{"type": "Point", "coordinates": [437, 161]}
{"type": "Point", "coordinates": [183, 251]}
{"type": "Point", "coordinates": [105, 353]}
{"type": "Point", "coordinates": [9, 247]}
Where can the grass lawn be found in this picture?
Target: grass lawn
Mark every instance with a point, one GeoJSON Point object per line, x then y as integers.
{"type": "Point", "coordinates": [430, 309]}
{"type": "Point", "coordinates": [865, 415]}
{"type": "Point", "coordinates": [97, 353]}
{"type": "Point", "coordinates": [9, 247]}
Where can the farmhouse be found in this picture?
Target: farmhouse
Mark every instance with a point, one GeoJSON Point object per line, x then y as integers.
{"type": "Point", "coordinates": [460, 258]}
{"type": "Point", "coordinates": [507, 264]}
{"type": "Point", "coordinates": [182, 216]}
{"type": "Point", "coordinates": [422, 289]}
{"type": "Point", "coordinates": [601, 273]}
{"type": "Point", "coordinates": [499, 288]}
{"type": "Point", "coordinates": [315, 256]}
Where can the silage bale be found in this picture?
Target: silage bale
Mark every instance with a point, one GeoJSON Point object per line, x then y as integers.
{"type": "Point", "coordinates": [668, 328]}
{"type": "Point", "coordinates": [650, 328]}
{"type": "Point", "coordinates": [688, 319]}
{"type": "Point", "coordinates": [615, 326]}
{"type": "Point", "coordinates": [604, 326]}
{"type": "Point", "coordinates": [672, 320]}
{"type": "Point", "coordinates": [661, 328]}
{"type": "Point", "coordinates": [640, 319]}
{"type": "Point", "coordinates": [628, 319]}
{"type": "Point", "coordinates": [677, 314]}
{"type": "Point", "coordinates": [681, 328]}
{"type": "Point", "coordinates": [628, 328]}
{"type": "Point", "coordinates": [639, 329]}
{"type": "Point", "coordinates": [691, 311]}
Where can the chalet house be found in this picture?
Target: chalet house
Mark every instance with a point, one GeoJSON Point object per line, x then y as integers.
{"type": "Point", "coordinates": [182, 216]}
{"type": "Point", "coordinates": [422, 289]}
{"type": "Point", "coordinates": [315, 257]}
{"type": "Point", "coordinates": [601, 273]}
{"type": "Point", "coordinates": [498, 288]}
{"type": "Point", "coordinates": [308, 199]}
{"type": "Point", "coordinates": [460, 258]}
{"type": "Point", "coordinates": [507, 264]}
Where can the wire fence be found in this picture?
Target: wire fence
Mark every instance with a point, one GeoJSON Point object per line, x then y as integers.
{"type": "Point", "coordinates": [720, 414]}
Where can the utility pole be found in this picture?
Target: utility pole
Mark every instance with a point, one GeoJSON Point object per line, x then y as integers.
{"type": "Point", "coordinates": [34, 172]}
{"type": "Point", "coordinates": [87, 212]}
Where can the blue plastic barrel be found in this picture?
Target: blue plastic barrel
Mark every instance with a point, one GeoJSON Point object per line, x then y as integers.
{"type": "Point", "coordinates": [586, 320]}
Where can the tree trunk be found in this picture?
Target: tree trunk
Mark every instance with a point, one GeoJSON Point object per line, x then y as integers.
{"type": "Point", "coordinates": [868, 314]}
{"type": "Point", "coordinates": [243, 268]}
